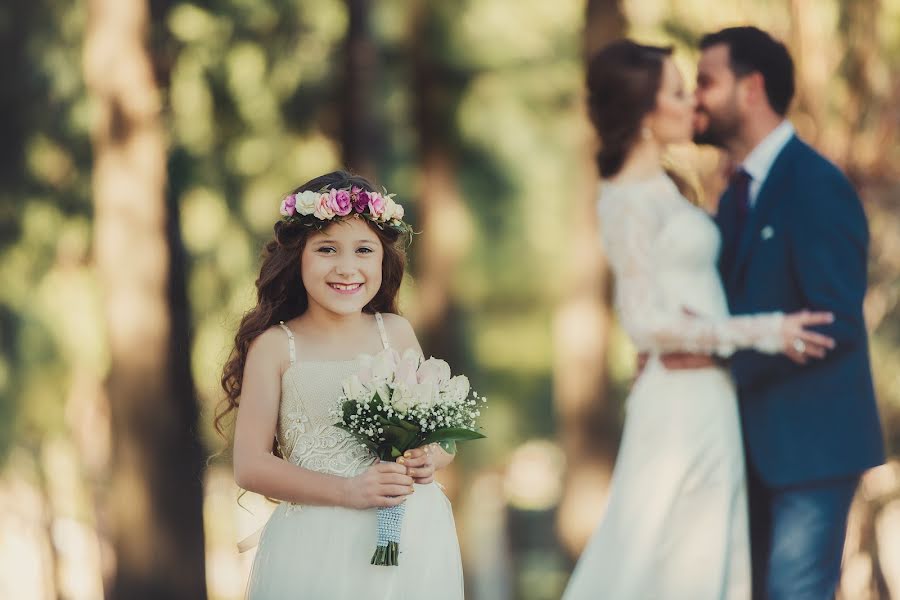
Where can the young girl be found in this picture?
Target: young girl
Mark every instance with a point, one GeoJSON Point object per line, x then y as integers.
{"type": "Point", "coordinates": [327, 293]}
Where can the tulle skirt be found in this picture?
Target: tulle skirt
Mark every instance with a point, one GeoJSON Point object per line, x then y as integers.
{"type": "Point", "coordinates": [323, 553]}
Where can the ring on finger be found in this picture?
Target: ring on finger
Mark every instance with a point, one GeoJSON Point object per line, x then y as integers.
{"type": "Point", "coordinates": [799, 345]}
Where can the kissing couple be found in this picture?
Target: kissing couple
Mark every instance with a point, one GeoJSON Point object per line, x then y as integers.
{"type": "Point", "coordinates": [754, 415]}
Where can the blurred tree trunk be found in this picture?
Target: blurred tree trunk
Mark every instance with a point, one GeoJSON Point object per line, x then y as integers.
{"type": "Point", "coordinates": [442, 216]}
{"type": "Point", "coordinates": [587, 422]}
{"type": "Point", "coordinates": [864, 136]}
{"type": "Point", "coordinates": [155, 489]}
{"type": "Point", "coordinates": [811, 68]}
{"type": "Point", "coordinates": [356, 93]}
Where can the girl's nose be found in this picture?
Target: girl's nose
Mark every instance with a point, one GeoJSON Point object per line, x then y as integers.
{"type": "Point", "coordinates": [345, 267]}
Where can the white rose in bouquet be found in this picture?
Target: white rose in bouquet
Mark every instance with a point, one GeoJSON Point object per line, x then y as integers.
{"type": "Point", "coordinates": [402, 399]}
{"type": "Point", "coordinates": [435, 371]}
{"type": "Point", "coordinates": [406, 368]}
{"type": "Point", "coordinates": [426, 394]}
{"type": "Point", "coordinates": [383, 366]}
{"type": "Point", "coordinates": [354, 389]}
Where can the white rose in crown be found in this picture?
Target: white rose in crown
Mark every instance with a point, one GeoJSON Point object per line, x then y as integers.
{"type": "Point", "coordinates": [306, 202]}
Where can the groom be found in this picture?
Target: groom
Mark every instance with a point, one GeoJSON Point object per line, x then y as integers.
{"type": "Point", "coordinates": [794, 237]}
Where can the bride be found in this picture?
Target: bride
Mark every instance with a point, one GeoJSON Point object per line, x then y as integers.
{"type": "Point", "coordinates": [676, 522]}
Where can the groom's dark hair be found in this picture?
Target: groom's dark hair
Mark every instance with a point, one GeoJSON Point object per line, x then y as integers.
{"type": "Point", "coordinates": [753, 50]}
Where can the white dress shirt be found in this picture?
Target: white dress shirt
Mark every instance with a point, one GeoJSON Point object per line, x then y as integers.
{"type": "Point", "coordinates": [759, 162]}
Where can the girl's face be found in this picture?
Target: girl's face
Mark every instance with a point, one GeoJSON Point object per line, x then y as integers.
{"type": "Point", "coordinates": [341, 267]}
{"type": "Point", "coordinates": [673, 119]}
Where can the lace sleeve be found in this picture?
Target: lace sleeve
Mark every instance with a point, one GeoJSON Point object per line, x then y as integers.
{"type": "Point", "coordinates": [630, 226]}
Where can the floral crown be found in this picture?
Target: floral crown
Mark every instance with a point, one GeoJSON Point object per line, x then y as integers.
{"type": "Point", "coordinates": [321, 208]}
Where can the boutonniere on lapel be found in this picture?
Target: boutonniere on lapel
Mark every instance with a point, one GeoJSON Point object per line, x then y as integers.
{"type": "Point", "coordinates": [767, 232]}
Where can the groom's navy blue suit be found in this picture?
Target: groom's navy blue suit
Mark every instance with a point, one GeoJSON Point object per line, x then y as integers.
{"type": "Point", "coordinates": [809, 431]}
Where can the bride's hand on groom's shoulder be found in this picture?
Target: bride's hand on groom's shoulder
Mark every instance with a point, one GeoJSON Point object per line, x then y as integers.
{"type": "Point", "coordinates": [800, 342]}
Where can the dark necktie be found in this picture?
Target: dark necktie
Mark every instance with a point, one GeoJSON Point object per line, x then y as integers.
{"type": "Point", "coordinates": [739, 189]}
{"type": "Point", "coordinates": [740, 186]}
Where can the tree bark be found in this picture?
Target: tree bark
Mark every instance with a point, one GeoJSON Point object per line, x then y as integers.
{"type": "Point", "coordinates": [442, 216]}
{"type": "Point", "coordinates": [357, 124]}
{"type": "Point", "coordinates": [155, 489]}
{"type": "Point", "coordinates": [587, 422]}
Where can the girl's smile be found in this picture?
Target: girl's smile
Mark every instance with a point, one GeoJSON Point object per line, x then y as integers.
{"type": "Point", "coordinates": [346, 288]}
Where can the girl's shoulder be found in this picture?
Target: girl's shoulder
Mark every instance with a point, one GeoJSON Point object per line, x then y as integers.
{"type": "Point", "coordinates": [400, 332]}
{"type": "Point", "coordinates": [273, 344]}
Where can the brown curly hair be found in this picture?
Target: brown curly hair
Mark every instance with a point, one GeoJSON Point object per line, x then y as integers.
{"type": "Point", "coordinates": [281, 296]}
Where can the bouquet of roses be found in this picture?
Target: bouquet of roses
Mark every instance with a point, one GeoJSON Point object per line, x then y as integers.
{"type": "Point", "coordinates": [398, 403]}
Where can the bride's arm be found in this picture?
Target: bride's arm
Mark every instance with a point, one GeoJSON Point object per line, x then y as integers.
{"type": "Point", "coordinates": [258, 470]}
{"type": "Point", "coordinates": [630, 226]}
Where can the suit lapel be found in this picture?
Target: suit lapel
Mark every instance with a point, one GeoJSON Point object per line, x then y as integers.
{"type": "Point", "coordinates": [766, 200]}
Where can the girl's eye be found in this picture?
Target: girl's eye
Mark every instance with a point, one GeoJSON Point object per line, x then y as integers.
{"type": "Point", "coordinates": [326, 250]}
{"type": "Point", "coordinates": [365, 250]}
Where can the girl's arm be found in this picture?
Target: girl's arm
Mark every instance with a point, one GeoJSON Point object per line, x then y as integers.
{"type": "Point", "coordinates": [258, 470]}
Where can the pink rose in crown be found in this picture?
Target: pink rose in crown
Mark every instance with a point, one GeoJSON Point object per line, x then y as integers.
{"type": "Point", "coordinates": [360, 199]}
{"type": "Point", "coordinates": [376, 205]}
{"type": "Point", "coordinates": [289, 205]}
{"type": "Point", "coordinates": [339, 202]}
{"type": "Point", "coordinates": [323, 209]}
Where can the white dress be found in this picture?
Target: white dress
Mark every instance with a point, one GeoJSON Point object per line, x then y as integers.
{"type": "Point", "coordinates": [676, 523]}
{"type": "Point", "coordinates": [323, 553]}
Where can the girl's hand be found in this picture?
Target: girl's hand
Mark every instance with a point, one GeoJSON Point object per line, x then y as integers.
{"type": "Point", "coordinates": [382, 485]}
{"type": "Point", "coordinates": [799, 342]}
{"type": "Point", "coordinates": [419, 463]}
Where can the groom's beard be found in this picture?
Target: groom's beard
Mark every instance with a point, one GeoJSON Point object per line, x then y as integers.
{"type": "Point", "coordinates": [719, 130]}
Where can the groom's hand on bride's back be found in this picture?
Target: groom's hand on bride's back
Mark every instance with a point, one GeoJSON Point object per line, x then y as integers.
{"type": "Point", "coordinates": [677, 361]}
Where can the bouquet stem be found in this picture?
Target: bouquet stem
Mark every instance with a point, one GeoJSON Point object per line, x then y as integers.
{"type": "Point", "coordinates": [390, 522]}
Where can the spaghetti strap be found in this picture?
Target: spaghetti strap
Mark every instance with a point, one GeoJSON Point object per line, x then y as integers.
{"type": "Point", "coordinates": [291, 347]}
{"type": "Point", "coordinates": [384, 339]}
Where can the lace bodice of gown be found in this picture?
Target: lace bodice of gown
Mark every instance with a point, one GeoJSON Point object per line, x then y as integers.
{"type": "Point", "coordinates": [663, 253]}
{"type": "Point", "coordinates": [306, 434]}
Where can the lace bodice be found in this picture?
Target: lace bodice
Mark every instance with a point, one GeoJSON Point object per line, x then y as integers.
{"type": "Point", "coordinates": [663, 253]}
{"type": "Point", "coordinates": [306, 434]}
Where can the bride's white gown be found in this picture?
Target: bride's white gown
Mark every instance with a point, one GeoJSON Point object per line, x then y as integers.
{"type": "Point", "coordinates": [676, 523]}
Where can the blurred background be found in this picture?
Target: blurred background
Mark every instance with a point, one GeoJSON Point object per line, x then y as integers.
{"type": "Point", "coordinates": [144, 150]}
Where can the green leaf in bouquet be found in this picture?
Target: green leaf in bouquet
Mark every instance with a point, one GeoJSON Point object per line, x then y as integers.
{"type": "Point", "coordinates": [449, 446]}
{"type": "Point", "coordinates": [395, 453]}
{"type": "Point", "coordinates": [398, 436]}
{"type": "Point", "coordinates": [348, 408]}
{"type": "Point", "coordinates": [409, 426]}
{"type": "Point", "coordinates": [455, 434]}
